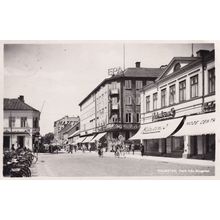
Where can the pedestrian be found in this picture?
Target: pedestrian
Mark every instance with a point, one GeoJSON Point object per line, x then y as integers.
{"type": "Point", "coordinates": [142, 149]}
{"type": "Point", "coordinates": [100, 150]}
{"type": "Point", "coordinates": [12, 147]}
{"type": "Point", "coordinates": [132, 147]}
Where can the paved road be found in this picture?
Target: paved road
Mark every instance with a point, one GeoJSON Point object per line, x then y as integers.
{"type": "Point", "coordinates": [90, 165]}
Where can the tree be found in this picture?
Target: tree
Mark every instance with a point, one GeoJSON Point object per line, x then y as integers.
{"type": "Point", "coordinates": [47, 138]}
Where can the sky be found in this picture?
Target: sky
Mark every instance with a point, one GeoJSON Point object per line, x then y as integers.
{"type": "Point", "coordinates": [55, 77]}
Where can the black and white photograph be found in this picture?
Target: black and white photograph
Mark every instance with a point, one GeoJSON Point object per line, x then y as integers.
{"type": "Point", "coordinates": [109, 109]}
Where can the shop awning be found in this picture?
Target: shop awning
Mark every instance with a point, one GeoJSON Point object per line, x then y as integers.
{"type": "Point", "coordinates": [98, 137]}
{"type": "Point", "coordinates": [88, 139]}
{"type": "Point", "coordinates": [198, 125]}
{"type": "Point", "coordinates": [80, 140]}
{"type": "Point", "coordinates": [76, 133]}
{"type": "Point", "coordinates": [156, 130]}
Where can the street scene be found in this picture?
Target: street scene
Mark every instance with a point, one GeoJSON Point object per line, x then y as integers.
{"type": "Point", "coordinates": [109, 109]}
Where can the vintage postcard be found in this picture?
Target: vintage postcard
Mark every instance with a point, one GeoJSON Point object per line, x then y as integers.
{"type": "Point", "coordinates": [109, 109]}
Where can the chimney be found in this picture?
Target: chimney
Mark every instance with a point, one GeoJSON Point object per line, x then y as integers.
{"type": "Point", "coordinates": [21, 98]}
{"type": "Point", "coordinates": [138, 64]}
{"type": "Point", "coordinates": [202, 53]}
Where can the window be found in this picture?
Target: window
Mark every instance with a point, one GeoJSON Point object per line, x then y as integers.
{"type": "Point", "coordinates": [127, 84]}
{"type": "Point", "coordinates": [114, 85]}
{"type": "Point", "coordinates": [182, 91]}
{"type": "Point", "coordinates": [23, 122]}
{"type": "Point", "coordinates": [194, 86]}
{"type": "Point", "coordinates": [147, 103]}
{"type": "Point", "coordinates": [128, 100]}
{"type": "Point", "coordinates": [138, 117]}
{"type": "Point", "coordinates": [211, 75]}
{"type": "Point", "coordinates": [128, 118]}
{"type": "Point", "coordinates": [35, 123]}
{"type": "Point", "coordinates": [138, 100]}
{"type": "Point", "coordinates": [11, 122]}
{"type": "Point", "coordinates": [139, 84]}
{"type": "Point", "coordinates": [114, 100]}
{"type": "Point", "coordinates": [172, 94]}
{"type": "Point", "coordinates": [155, 101]}
{"type": "Point", "coordinates": [163, 98]}
{"type": "Point", "coordinates": [176, 67]}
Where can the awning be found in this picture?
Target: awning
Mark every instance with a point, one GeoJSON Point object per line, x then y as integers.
{"type": "Point", "coordinates": [76, 133]}
{"type": "Point", "coordinates": [80, 140]}
{"type": "Point", "coordinates": [88, 139]}
{"type": "Point", "coordinates": [198, 125]}
{"type": "Point", "coordinates": [156, 130]}
{"type": "Point", "coordinates": [98, 137]}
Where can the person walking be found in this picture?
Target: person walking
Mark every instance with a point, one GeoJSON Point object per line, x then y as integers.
{"type": "Point", "coordinates": [142, 149]}
{"type": "Point", "coordinates": [132, 147]}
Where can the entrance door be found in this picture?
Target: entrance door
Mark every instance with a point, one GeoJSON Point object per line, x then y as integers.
{"type": "Point", "coordinates": [194, 146]}
{"type": "Point", "coordinates": [6, 142]}
{"type": "Point", "coordinates": [20, 140]}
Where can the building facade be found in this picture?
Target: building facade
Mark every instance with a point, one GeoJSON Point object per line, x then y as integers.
{"type": "Point", "coordinates": [178, 110]}
{"type": "Point", "coordinates": [61, 126]}
{"type": "Point", "coordinates": [21, 124]}
{"type": "Point", "coordinates": [113, 107]}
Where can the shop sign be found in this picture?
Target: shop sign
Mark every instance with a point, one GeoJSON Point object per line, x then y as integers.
{"type": "Point", "coordinates": [155, 129]}
{"type": "Point", "coordinates": [209, 107]}
{"type": "Point", "coordinates": [114, 71]}
{"type": "Point", "coordinates": [113, 126]}
{"type": "Point", "coordinates": [163, 115]}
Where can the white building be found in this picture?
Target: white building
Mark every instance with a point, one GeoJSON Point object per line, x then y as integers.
{"type": "Point", "coordinates": [178, 110]}
{"type": "Point", "coordinates": [21, 124]}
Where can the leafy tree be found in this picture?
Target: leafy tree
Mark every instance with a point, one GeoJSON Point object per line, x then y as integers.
{"type": "Point", "coordinates": [47, 138]}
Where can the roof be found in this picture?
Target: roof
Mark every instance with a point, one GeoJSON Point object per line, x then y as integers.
{"type": "Point", "coordinates": [142, 72]}
{"type": "Point", "coordinates": [137, 72]}
{"type": "Point", "coordinates": [16, 104]}
{"type": "Point", "coordinates": [173, 61]}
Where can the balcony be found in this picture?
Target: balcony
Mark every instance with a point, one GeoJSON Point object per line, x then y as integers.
{"type": "Point", "coordinates": [114, 92]}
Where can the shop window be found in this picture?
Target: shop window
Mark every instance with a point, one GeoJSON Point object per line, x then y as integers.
{"type": "Point", "coordinates": [139, 84]}
{"type": "Point", "coordinates": [172, 94]}
{"type": "Point", "coordinates": [182, 91]}
{"type": "Point", "coordinates": [128, 117]}
{"type": "Point", "coordinates": [211, 75]}
{"type": "Point", "coordinates": [155, 101]}
{"type": "Point", "coordinates": [127, 84]}
{"type": "Point", "coordinates": [147, 103]}
{"type": "Point", "coordinates": [138, 117]}
{"type": "Point", "coordinates": [163, 98]}
{"type": "Point", "coordinates": [194, 86]}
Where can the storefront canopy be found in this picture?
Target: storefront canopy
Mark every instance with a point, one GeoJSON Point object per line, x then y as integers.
{"type": "Point", "coordinates": [88, 139]}
{"type": "Point", "coordinates": [198, 125]}
{"type": "Point", "coordinates": [98, 137]}
{"type": "Point", "coordinates": [76, 133]}
{"type": "Point", "coordinates": [80, 140]}
{"type": "Point", "coordinates": [156, 130]}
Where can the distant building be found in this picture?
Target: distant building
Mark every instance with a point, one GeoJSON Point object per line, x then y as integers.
{"type": "Point", "coordinates": [178, 110]}
{"type": "Point", "coordinates": [62, 125]}
{"type": "Point", "coordinates": [21, 124]}
{"type": "Point", "coordinates": [113, 107]}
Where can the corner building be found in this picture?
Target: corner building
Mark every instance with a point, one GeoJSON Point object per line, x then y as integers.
{"type": "Point", "coordinates": [178, 109]}
{"type": "Point", "coordinates": [112, 109]}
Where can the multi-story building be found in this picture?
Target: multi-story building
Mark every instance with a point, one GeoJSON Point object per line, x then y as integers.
{"type": "Point", "coordinates": [113, 107]}
{"type": "Point", "coordinates": [21, 124]}
{"type": "Point", "coordinates": [178, 110]}
{"type": "Point", "coordinates": [59, 126]}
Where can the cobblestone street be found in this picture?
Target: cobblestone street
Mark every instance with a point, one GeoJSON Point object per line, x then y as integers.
{"type": "Point", "coordinates": [90, 165]}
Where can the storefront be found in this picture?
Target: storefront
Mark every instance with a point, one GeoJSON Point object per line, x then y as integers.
{"type": "Point", "coordinates": [199, 136]}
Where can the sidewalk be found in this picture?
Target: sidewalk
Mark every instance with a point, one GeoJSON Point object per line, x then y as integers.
{"type": "Point", "coordinates": [137, 155]}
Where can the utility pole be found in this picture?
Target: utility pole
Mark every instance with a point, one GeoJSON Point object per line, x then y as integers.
{"type": "Point", "coordinates": [123, 56]}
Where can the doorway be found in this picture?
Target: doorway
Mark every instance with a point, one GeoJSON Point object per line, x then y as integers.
{"type": "Point", "coordinates": [20, 140]}
{"type": "Point", "coordinates": [6, 142]}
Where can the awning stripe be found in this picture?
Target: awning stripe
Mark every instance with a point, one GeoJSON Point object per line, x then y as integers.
{"type": "Point", "coordinates": [98, 137]}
